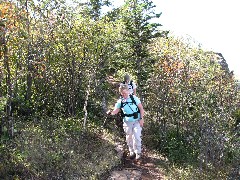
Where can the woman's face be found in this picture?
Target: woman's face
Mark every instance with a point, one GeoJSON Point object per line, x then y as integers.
{"type": "Point", "coordinates": [125, 94]}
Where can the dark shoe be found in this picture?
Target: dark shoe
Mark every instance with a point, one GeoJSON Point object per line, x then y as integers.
{"type": "Point", "coordinates": [132, 155]}
{"type": "Point", "coordinates": [138, 156]}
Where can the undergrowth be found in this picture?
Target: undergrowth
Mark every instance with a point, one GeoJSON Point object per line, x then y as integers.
{"type": "Point", "coordinates": [56, 149]}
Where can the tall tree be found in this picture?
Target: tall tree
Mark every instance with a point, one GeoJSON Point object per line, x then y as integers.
{"type": "Point", "coordinates": [8, 24]}
{"type": "Point", "coordinates": [138, 16]}
{"type": "Point", "coordinates": [95, 7]}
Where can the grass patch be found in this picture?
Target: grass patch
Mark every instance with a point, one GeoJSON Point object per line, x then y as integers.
{"type": "Point", "coordinates": [56, 149]}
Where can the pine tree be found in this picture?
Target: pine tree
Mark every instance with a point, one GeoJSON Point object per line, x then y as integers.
{"type": "Point", "coordinates": [138, 16]}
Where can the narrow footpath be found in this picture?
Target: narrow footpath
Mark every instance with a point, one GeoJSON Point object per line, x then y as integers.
{"type": "Point", "coordinates": [147, 168]}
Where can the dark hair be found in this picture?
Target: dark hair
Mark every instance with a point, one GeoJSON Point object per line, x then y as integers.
{"type": "Point", "coordinates": [126, 77]}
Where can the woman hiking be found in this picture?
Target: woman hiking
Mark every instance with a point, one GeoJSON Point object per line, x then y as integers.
{"type": "Point", "coordinates": [132, 112]}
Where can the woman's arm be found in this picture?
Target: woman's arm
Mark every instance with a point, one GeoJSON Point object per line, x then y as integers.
{"type": "Point", "coordinates": [141, 121]}
{"type": "Point", "coordinates": [113, 112]}
{"type": "Point", "coordinates": [134, 92]}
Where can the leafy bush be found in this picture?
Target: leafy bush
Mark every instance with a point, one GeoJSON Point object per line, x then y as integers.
{"type": "Point", "coordinates": [58, 149]}
{"type": "Point", "coordinates": [191, 99]}
{"type": "Point", "coordinates": [237, 117]}
{"type": "Point", "coordinates": [3, 102]}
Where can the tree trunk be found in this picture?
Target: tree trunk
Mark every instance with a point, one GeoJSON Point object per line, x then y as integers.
{"type": "Point", "coordinates": [8, 118]}
{"type": "Point", "coordinates": [86, 103]}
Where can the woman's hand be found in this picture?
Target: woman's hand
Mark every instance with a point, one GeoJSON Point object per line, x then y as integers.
{"type": "Point", "coordinates": [141, 121]}
{"type": "Point", "coordinates": [109, 112]}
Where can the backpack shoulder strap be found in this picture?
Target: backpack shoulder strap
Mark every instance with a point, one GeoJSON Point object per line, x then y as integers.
{"type": "Point", "coordinates": [131, 83]}
{"type": "Point", "coordinates": [121, 104]}
{"type": "Point", "coordinates": [132, 98]}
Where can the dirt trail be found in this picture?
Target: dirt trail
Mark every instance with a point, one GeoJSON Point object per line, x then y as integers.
{"type": "Point", "coordinates": [147, 168]}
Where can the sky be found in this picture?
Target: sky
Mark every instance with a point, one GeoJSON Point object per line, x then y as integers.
{"type": "Point", "coordinates": [212, 23]}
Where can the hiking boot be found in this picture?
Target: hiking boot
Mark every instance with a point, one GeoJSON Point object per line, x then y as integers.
{"type": "Point", "coordinates": [138, 156]}
{"type": "Point", "coordinates": [132, 155]}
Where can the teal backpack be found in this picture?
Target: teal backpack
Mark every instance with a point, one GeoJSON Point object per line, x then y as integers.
{"type": "Point", "coordinates": [126, 103]}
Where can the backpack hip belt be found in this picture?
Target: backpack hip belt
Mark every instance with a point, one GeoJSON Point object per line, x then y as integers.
{"type": "Point", "coordinates": [129, 115]}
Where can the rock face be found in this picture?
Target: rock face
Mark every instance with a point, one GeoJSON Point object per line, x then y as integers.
{"type": "Point", "coordinates": [219, 59]}
{"type": "Point", "coordinates": [222, 61]}
{"type": "Point", "coordinates": [237, 81]}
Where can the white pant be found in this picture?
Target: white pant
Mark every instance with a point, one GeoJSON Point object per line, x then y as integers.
{"type": "Point", "coordinates": [133, 136]}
